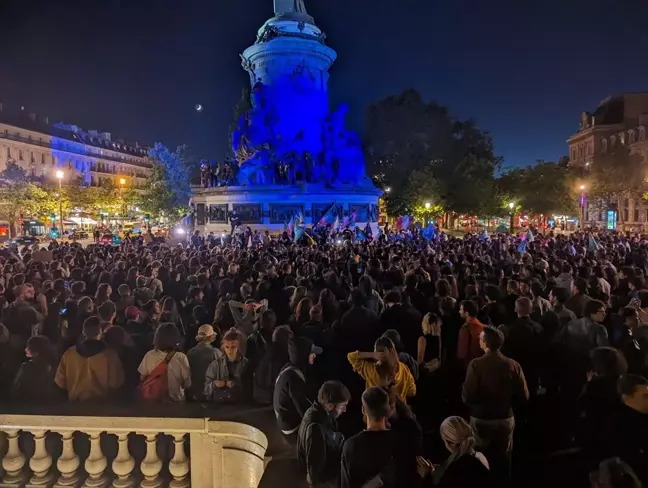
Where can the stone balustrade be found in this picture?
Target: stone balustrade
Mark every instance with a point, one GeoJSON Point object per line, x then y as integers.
{"type": "Point", "coordinates": [122, 452]}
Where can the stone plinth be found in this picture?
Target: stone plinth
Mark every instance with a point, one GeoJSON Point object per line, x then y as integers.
{"type": "Point", "coordinates": [271, 207]}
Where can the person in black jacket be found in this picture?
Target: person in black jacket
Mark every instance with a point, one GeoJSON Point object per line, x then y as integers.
{"type": "Point", "coordinates": [290, 398]}
{"type": "Point", "coordinates": [319, 444]}
{"type": "Point", "coordinates": [35, 379]}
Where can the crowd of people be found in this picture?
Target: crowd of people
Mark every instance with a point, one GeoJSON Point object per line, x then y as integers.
{"type": "Point", "coordinates": [397, 362]}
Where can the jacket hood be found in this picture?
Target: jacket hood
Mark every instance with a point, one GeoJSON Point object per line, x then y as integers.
{"type": "Point", "coordinates": [90, 347]}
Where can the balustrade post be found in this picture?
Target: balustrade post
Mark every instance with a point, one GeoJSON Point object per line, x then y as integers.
{"type": "Point", "coordinates": [96, 464]}
{"type": "Point", "coordinates": [123, 464]}
{"type": "Point", "coordinates": [179, 464]}
{"type": "Point", "coordinates": [68, 463]}
{"type": "Point", "coordinates": [151, 464]}
{"type": "Point", "coordinates": [13, 462]}
{"type": "Point", "coordinates": [41, 462]}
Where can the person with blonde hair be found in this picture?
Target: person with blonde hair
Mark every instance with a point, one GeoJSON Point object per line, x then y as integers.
{"type": "Point", "coordinates": [382, 368]}
{"type": "Point", "coordinates": [465, 466]}
{"type": "Point", "coordinates": [429, 344]}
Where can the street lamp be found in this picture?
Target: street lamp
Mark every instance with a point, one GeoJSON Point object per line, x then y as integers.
{"type": "Point", "coordinates": [427, 212]}
{"type": "Point", "coordinates": [512, 208]}
{"type": "Point", "coordinates": [59, 176]}
{"type": "Point", "coordinates": [388, 189]}
{"type": "Point", "coordinates": [122, 182]}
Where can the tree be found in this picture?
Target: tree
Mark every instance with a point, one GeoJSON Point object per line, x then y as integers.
{"type": "Point", "coordinates": [544, 188]}
{"type": "Point", "coordinates": [615, 175]}
{"type": "Point", "coordinates": [242, 107]}
{"type": "Point", "coordinates": [421, 152]}
{"type": "Point", "coordinates": [169, 186]}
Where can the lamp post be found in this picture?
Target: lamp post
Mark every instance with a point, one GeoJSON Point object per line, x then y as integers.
{"type": "Point", "coordinates": [122, 182]}
{"type": "Point", "coordinates": [512, 208]}
{"type": "Point", "coordinates": [581, 219]}
{"type": "Point", "coordinates": [59, 176]}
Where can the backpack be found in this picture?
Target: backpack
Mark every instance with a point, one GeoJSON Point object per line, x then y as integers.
{"type": "Point", "coordinates": [155, 387]}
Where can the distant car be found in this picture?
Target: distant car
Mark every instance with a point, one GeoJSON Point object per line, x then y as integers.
{"type": "Point", "coordinates": [81, 234]}
{"type": "Point", "coordinates": [111, 239]}
{"type": "Point", "coordinates": [25, 240]}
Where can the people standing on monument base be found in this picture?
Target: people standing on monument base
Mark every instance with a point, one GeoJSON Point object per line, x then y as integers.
{"type": "Point", "coordinates": [335, 291]}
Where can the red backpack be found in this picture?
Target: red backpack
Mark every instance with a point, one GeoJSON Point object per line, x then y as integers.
{"type": "Point", "coordinates": [155, 387]}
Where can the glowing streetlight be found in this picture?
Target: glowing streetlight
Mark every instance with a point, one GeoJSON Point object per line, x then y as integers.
{"type": "Point", "coordinates": [388, 189]}
{"type": "Point", "coordinates": [122, 182]}
{"type": "Point", "coordinates": [427, 205]}
{"type": "Point", "coordinates": [582, 187]}
{"type": "Point", "coordinates": [511, 205]}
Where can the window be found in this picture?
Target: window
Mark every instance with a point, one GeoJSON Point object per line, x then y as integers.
{"type": "Point", "coordinates": [625, 214]}
{"type": "Point", "coordinates": [612, 141]}
{"type": "Point", "coordinates": [20, 154]}
{"type": "Point", "coordinates": [636, 215]}
{"type": "Point", "coordinates": [573, 153]}
{"type": "Point", "coordinates": [32, 159]}
{"type": "Point", "coordinates": [8, 153]}
{"type": "Point", "coordinates": [604, 145]}
{"type": "Point", "coordinates": [631, 137]}
{"type": "Point", "coordinates": [642, 133]}
{"type": "Point", "coordinates": [42, 158]}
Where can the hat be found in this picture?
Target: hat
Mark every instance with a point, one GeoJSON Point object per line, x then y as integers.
{"type": "Point", "coordinates": [132, 312]}
{"type": "Point", "coordinates": [205, 331]}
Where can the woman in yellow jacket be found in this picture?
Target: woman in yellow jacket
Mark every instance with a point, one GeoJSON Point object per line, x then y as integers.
{"type": "Point", "coordinates": [382, 368]}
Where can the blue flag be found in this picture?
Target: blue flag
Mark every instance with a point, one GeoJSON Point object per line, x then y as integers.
{"type": "Point", "coordinates": [592, 245]}
{"type": "Point", "coordinates": [299, 231]}
{"type": "Point", "coordinates": [429, 233]}
{"type": "Point", "coordinates": [530, 236]}
{"type": "Point", "coordinates": [328, 217]}
{"type": "Point", "coordinates": [361, 236]}
{"type": "Point", "coordinates": [522, 247]}
{"type": "Point", "coordinates": [483, 236]}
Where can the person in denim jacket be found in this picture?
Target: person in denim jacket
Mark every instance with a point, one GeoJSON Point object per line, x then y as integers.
{"type": "Point", "coordinates": [224, 378]}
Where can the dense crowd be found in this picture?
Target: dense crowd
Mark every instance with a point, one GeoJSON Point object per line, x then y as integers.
{"type": "Point", "coordinates": [395, 362]}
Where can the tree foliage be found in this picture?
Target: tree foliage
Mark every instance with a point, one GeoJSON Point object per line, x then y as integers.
{"type": "Point", "coordinates": [423, 153]}
{"type": "Point", "coordinates": [169, 185]}
{"type": "Point", "coordinates": [545, 188]}
{"type": "Point", "coordinates": [616, 173]}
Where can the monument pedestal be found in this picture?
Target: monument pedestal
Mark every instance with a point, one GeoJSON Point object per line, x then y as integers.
{"type": "Point", "coordinates": [270, 207]}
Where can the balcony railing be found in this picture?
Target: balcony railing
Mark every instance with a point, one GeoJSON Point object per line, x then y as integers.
{"type": "Point", "coordinates": [34, 142]}
{"type": "Point", "coordinates": [125, 452]}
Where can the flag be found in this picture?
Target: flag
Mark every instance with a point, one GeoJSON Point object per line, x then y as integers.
{"type": "Point", "coordinates": [529, 236]}
{"type": "Point", "coordinates": [483, 236]}
{"type": "Point", "coordinates": [352, 219]}
{"type": "Point", "coordinates": [522, 247]}
{"type": "Point", "coordinates": [361, 236]}
{"type": "Point", "coordinates": [328, 217]}
{"type": "Point", "coordinates": [429, 233]}
{"type": "Point", "coordinates": [291, 226]}
{"type": "Point", "coordinates": [592, 245]}
{"type": "Point", "coordinates": [406, 222]}
{"type": "Point", "coordinates": [336, 223]}
{"type": "Point", "coordinates": [299, 231]}
{"type": "Point", "coordinates": [249, 244]}
{"type": "Point", "coordinates": [501, 229]}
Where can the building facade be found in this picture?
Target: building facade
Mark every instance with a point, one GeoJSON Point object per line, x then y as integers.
{"type": "Point", "coordinates": [621, 119]}
{"type": "Point", "coordinates": [85, 157]}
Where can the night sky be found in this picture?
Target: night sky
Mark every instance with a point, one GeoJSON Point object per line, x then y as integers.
{"type": "Point", "coordinates": [523, 69]}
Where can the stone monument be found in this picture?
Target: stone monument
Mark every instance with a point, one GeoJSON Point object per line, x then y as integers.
{"type": "Point", "coordinates": [292, 153]}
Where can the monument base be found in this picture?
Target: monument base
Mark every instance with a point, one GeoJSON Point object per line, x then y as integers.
{"type": "Point", "coordinates": [270, 207]}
